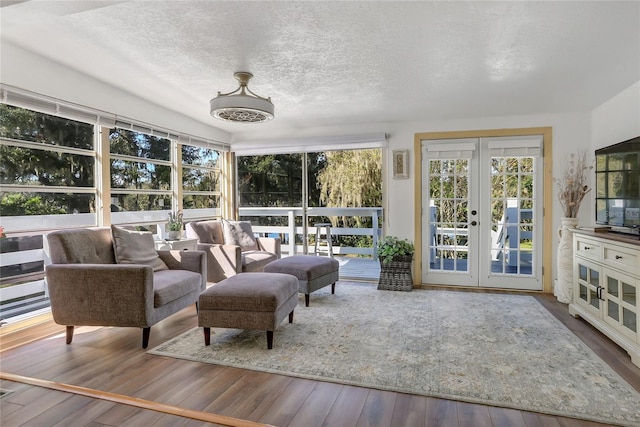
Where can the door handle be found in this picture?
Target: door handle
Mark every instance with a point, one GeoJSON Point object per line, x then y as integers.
{"type": "Point", "coordinates": [474, 223]}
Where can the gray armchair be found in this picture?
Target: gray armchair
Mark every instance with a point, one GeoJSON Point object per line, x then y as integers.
{"type": "Point", "coordinates": [88, 288]}
{"type": "Point", "coordinates": [231, 247]}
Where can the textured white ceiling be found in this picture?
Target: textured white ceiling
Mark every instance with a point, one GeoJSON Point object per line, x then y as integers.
{"type": "Point", "coordinates": [329, 63]}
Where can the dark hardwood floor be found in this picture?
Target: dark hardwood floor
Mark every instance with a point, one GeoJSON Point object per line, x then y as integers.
{"type": "Point", "coordinates": [111, 360]}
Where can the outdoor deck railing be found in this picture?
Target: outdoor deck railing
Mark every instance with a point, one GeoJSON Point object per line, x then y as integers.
{"type": "Point", "coordinates": [294, 216]}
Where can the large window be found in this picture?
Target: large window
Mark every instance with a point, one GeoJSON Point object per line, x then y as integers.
{"type": "Point", "coordinates": [143, 169]}
{"type": "Point", "coordinates": [270, 180]}
{"type": "Point", "coordinates": [290, 193]}
{"type": "Point", "coordinates": [47, 164]}
{"type": "Point", "coordinates": [140, 172]}
{"type": "Point", "coordinates": [200, 178]}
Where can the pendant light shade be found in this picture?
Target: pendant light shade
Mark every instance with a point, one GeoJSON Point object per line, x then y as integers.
{"type": "Point", "coordinates": [242, 105]}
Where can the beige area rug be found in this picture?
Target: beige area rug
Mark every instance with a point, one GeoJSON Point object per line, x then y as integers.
{"type": "Point", "coordinates": [494, 349]}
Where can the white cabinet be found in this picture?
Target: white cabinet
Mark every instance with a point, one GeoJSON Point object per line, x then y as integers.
{"type": "Point", "coordinates": [606, 270]}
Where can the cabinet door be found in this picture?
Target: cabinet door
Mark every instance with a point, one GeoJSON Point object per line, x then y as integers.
{"type": "Point", "coordinates": [622, 298]}
{"type": "Point", "coordinates": [587, 282]}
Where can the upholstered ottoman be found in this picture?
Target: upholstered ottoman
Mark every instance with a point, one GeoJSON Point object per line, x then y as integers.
{"type": "Point", "coordinates": [313, 272]}
{"type": "Point", "coordinates": [248, 301]}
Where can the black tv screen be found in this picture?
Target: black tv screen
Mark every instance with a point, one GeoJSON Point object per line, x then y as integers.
{"type": "Point", "coordinates": [618, 184]}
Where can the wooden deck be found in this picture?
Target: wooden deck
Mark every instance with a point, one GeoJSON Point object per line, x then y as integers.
{"type": "Point", "coordinates": [360, 269]}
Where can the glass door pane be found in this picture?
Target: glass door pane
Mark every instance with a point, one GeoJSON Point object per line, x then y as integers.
{"type": "Point", "coordinates": [511, 215]}
{"type": "Point", "coordinates": [449, 200]}
{"type": "Point", "coordinates": [512, 237]}
{"type": "Point", "coordinates": [448, 204]}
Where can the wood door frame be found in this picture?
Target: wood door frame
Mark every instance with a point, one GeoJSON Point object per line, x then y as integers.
{"type": "Point", "coordinates": [547, 212]}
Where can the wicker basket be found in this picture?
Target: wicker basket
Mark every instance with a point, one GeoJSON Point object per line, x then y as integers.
{"type": "Point", "coordinates": [396, 275]}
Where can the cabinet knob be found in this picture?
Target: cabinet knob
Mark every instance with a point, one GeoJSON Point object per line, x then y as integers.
{"type": "Point", "coordinates": [586, 248]}
{"type": "Point", "coordinates": [618, 257]}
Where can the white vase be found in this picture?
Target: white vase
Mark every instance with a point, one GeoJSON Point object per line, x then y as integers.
{"type": "Point", "coordinates": [564, 285]}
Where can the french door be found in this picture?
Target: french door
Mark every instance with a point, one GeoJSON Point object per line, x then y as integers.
{"type": "Point", "coordinates": [482, 212]}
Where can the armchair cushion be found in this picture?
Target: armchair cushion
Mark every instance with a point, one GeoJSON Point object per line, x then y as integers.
{"type": "Point", "coordinates": [76, 246]}
{"type": "Point", "coordinates": [256, 260]}
{"type": "Point", "coordinates": [239, 233]}
{"type": "Point", "coordinates": [135, 247]}
{"type": "Point", "coordinates": [206, 231]}
{"type": "Point", "coordinates": [170, 285]}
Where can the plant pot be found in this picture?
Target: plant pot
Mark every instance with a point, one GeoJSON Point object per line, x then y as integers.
{"type": "Point", "coordinates": [396, 275]}
{"type": "Point", "coordinates": [173, 235]}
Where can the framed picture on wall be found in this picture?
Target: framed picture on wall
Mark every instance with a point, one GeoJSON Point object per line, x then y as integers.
{"type": "Point", "coordinates": [400, 164]}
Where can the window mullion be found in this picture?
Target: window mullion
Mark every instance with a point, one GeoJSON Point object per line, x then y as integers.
{"type": "Point", "coordinates": [103, 176]}
{"type": "Point", "coordinates": [46, 147]}
{"type": "Point", "coordinates": [135, 159]}
{"type": "Point", "coordinates": [176, 175]}
{"type": "Point", "coordinates": [46, 189]}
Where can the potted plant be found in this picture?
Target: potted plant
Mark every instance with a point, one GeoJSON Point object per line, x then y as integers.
{"type": "Point", "coordinates": [392, 248]}
{"type": "Point", "coordinates": [395, 264]}
{"type": "Point", "coordinates": [175, 226]}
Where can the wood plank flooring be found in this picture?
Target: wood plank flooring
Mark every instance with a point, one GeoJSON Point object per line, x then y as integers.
{"type": "Point", "coordinates": [112, 360]}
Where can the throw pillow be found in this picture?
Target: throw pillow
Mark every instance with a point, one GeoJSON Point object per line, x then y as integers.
{"type": "Point", "coordinates": [135, 247]}
{"type": "Point", "coordinates": [239, 233]}
{"type": "Point", "coordinates": [206, 231]}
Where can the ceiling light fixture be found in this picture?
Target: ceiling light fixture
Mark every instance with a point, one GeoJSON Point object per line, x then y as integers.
{"type": "Point", "coordinates": [242, 105]}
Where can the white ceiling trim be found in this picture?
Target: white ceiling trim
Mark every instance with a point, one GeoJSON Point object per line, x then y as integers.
{"type": "Point", "coordinates": [311, 145]}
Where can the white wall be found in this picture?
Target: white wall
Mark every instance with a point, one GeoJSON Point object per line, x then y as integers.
{"type": "Point", "coordinates": [618, 119]}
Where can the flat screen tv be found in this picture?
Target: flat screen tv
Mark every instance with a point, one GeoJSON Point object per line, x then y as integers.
{"type": "Point", "coordinates": [618, 186]}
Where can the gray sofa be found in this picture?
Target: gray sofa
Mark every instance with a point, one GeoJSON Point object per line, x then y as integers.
{"type": "Point", "coordinates": [231, 247]}
{"type": "Point", "coordinates": [87, 287]}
